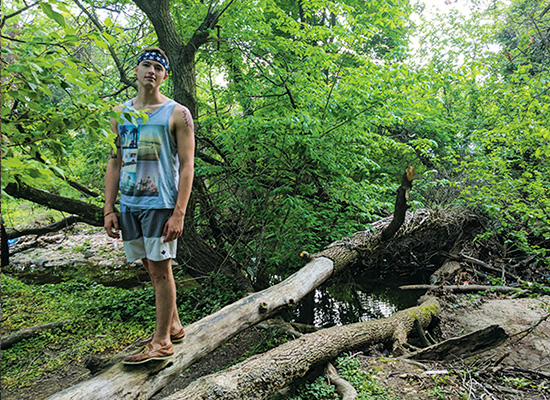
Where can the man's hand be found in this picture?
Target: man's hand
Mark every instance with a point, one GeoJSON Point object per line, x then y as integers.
{"type": "Point", "coordinates": [173, 228]}
{"type": "Point", "coordinates": [111, 226]}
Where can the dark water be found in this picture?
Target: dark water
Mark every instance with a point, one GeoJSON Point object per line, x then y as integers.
{"type": "Point", "coordinates": [357, 299]}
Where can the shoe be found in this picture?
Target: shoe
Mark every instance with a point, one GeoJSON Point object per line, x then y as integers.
{"type": "Point", "coordinates": [174, 338]}
{"type": "Point", "coordinates": [148, 354]}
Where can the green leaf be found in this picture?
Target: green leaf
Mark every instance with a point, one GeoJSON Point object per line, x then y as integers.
{"type": "Point", "coordinates": [50, 12]}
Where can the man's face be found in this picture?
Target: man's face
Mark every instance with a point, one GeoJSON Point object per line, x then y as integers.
{"type": "Point", "coordinates": [151, 73]}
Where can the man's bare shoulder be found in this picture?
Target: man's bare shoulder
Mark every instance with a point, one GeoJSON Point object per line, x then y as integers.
{"type": "Point", "coordinates": [182, 115]}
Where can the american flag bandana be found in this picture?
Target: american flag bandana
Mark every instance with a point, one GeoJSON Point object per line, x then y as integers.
{"type": "Point", "coordinates": [155, 56]}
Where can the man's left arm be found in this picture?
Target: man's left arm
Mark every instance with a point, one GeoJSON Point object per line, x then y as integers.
{"type": "Point", "coordinates": [183, 128]}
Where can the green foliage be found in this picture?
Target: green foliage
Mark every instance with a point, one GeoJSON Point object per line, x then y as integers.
{"type": "Point", "coordinates": [49, 96]}
{"type": "Point", "coordinates": [350, 369]}
{"type": "Point", "coordinates": [308, 114]}
{"type": "Point", "coordinates": [215, 292]}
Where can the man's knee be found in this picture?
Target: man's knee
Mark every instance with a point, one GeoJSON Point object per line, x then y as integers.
{"type": "Point", "coordinates": [159, 269]}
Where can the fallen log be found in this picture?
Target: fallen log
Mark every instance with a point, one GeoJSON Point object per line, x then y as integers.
{"type": "Point", "coordinates": [265, 374]}
{"type": "Point", "coordinates": [16, 337]}
{"type": "Point", "coordinates": [42, 230]}
{"type": "Point", "coordinates": [142, 382]}
{"type": "Point", "coordinates": [464, 288]}
{"type": "Point", "coordinates": [466, 345]}
{"type": "Point", "coordinates": [90, 213]}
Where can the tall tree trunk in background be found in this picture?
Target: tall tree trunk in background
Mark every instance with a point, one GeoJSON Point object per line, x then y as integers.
{"type": "Point", "coordinates": [193, 251]}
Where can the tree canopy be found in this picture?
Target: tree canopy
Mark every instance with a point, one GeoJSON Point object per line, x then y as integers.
{"type": "Point", "coordinates": [307, 112]}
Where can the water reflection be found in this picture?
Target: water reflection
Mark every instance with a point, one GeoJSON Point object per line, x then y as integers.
{"type": "Point", "coordinates": [343, 303]}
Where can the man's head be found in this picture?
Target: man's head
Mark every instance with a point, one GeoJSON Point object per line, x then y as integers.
{"type": "Point", "coordinates": [154, 54]}
{"type": "Point", "coordinates": [152, 67]}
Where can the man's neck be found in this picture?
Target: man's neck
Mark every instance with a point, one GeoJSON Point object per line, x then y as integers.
{"type": "Point", "coordinates": [148, 100]}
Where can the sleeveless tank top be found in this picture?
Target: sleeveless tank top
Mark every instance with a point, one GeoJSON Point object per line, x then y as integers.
{"type": "Point", "coordinates": [150, 166]}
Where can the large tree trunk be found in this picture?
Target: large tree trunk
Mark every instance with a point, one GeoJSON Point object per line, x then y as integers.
{"type": "Point", "coordinates": [263, 375]}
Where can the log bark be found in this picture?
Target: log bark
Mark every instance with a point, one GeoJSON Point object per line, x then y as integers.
{"type": "Point", "coordinates": [16, 337]}
{"type": "Point", "coordinates": [263, 375]}
{"type": "Point", "coordinates": [466, 345]}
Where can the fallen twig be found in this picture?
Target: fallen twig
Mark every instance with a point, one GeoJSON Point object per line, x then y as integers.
{"type": "Point", "coordinates": [343, 387]}
{"type": "Point", "coordinates": [472, 260]}
{"type": "Point", "coordinates": [531, 328]}
{"type": "Point", "coordinates": [464, 288]}
{"type": "Point", "coordinates": [27, 333]}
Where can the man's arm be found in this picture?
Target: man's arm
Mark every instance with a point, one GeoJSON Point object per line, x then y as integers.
{"type": "Point", "coordinates": [112, 177]}
{"type": "Point", "coordinates": [183, 128]}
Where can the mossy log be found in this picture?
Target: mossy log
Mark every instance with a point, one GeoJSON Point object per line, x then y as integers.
{"type": "Point", "coordinates": [265, 374]}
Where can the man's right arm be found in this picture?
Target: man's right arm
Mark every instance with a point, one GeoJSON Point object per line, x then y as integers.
{"type": "Point", "coordinates": [112, 177]}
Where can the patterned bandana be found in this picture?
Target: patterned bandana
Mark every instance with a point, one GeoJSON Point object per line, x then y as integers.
{"type": "Point", "coordinates": [155, 56]}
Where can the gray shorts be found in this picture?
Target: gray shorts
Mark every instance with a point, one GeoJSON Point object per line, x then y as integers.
{"type": "Point", "coordinates": [142, 234]}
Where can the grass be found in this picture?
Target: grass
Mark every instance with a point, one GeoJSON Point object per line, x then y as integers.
{"type": "Point", "coordinates": [351, 370]}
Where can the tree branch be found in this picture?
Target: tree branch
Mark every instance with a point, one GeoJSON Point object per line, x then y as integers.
{"type": "Point", "coordinates": [64, 223]}
{"type": "Point", "coordinates": [123, 77]}
{"type": "Point", "coordinates": [15, 13]}
{"type": "Point", "coordinates": [90, 212]}
{"type": "Point", "coordinates": [400, 204]}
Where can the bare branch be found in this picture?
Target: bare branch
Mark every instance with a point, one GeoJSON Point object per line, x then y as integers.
{"type": "Point", "coordinates": [123, 77]}
{"type": "Point", "coordinates": [15, 13]}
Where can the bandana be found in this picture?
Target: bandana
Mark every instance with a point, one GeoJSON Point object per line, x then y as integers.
{"type": "Point", "coordinates": [155, 56]}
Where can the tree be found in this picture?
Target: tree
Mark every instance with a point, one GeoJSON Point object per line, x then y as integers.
{"type": "Point", "coordinates": [286, 184]}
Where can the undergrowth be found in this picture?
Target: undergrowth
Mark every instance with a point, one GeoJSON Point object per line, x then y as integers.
{"type": "Point", "coordinates": [103, 320]}
{"type": "Point", "coordinates": [350, 369]}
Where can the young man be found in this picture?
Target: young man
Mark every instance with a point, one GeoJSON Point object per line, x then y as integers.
{"type": "Point", "coordinates": [153, 168]}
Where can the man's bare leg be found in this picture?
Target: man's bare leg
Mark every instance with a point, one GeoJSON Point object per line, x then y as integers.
{"type": "Point", "coordinates": [175, 323]}
{"type": "Point", "coordinates": [165, 301]}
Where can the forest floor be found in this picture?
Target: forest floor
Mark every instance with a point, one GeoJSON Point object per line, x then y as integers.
{"type": "Point", "coordinates": [517, 369]}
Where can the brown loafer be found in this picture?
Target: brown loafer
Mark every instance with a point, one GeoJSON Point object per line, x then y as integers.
{"type": "Point", "coordinates": [174, 338]}
{"type": "Point", "coordinates": [148, 354]}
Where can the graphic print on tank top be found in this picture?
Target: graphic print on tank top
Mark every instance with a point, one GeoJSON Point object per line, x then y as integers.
{"type": "Point", "coordinates": [141, 146]}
